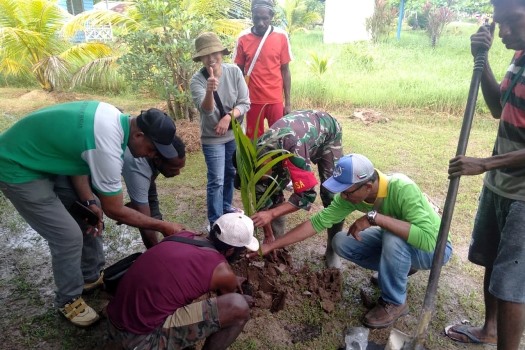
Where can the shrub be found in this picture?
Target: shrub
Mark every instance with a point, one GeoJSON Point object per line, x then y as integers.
{"type": "Point", "coordinates": [381, 24]}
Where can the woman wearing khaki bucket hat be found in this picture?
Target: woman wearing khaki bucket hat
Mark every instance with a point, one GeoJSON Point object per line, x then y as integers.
{"type": "Point", "coordinates": [226, 82]}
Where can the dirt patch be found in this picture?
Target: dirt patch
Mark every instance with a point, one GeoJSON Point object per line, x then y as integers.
{"type": "Point", "coordinates": [270, 283]}
{"type": "Point", "coordinates": [190, 133]}
{"type": "Point", "coordinates": [369, 116]}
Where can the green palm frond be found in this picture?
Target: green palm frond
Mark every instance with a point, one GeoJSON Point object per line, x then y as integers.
{"type": "Point", "coordinates": [319, 64]}
{"type": "Point", "coordinates": [13, 67]}
{"type": "Point", "coordinates": [252, 167]}
{"type": "Point", "coordinates": [230, 27]}
{"type": "Point", "coordinates": [86, 51]}
{"type": "Point", "coordinates": [98, 18]}
{"type": "Point", "coordinates": [9, 10]}
{"type": "Point", "coordinates": [101, 70]}
{"type": "Point", "coordinates": [298, 17]}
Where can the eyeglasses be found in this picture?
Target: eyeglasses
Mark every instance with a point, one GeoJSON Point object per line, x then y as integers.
{"type": "Point", "coordinates": [349, 193]}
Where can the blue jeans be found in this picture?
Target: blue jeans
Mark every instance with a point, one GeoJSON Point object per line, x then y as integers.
{"type": "Point", "coordinates": [391, 256]}
{"type": "Point", "coordinates": [219, 190]}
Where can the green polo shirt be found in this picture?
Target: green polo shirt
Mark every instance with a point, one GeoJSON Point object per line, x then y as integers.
{"type": "Point", "coordinates": [402, 200]}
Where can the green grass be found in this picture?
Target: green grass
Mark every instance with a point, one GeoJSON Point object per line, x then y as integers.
{"type": "Point", "coordinates": [422, 93]}
{"type": "Point", "coordinates": [391, 74]}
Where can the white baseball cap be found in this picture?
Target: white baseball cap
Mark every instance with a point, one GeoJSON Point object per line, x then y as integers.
{"type": "Point", "coordinates": [237, 231]}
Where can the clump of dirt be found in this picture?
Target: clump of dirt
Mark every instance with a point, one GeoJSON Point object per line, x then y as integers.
{"type": "Point", "coordinates": [369, 116]}
{"type": "Point", "coordinates": [271, 284]}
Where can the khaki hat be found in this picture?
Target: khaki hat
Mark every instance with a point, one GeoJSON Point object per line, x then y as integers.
{"type": "Point", "coordinates": [208, 43]}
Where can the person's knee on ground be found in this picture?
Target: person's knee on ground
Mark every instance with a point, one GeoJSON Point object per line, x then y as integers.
{"type": "Point", "coordinates": [233, 310]}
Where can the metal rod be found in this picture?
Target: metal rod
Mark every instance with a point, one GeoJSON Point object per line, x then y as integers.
{"type": "Point", "coordinates": [428, 304]}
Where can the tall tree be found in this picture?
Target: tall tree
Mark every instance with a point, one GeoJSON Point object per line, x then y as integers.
{"type": "Point", "coordinates": [297, 16]}
{"type": "Point", "coordinates": [31, 45]}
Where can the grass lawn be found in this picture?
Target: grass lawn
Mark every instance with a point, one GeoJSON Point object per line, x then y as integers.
{"type": "Point", "coordinates": [412, 99]}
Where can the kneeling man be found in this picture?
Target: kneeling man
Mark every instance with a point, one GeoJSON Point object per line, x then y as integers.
{"type": "Point", "coordinates": [153, 306]}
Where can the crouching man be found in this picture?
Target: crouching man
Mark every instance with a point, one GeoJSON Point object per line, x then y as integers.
{"type": "Point", "coordinates": [397, 232]}
{"type": "Point", "coordinates": [157, 311]}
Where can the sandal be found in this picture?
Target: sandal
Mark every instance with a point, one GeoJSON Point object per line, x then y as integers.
{"type": "Point", "coordinates": [463, 333]}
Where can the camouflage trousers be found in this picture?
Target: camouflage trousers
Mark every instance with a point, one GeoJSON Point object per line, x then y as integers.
{"type": "Point", "coordinates": [180, 330]}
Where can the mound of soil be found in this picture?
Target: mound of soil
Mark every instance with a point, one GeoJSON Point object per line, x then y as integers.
{"type": "Point", "coordinates": [271, 285]}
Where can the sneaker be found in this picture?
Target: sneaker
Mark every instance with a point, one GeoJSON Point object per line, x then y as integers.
{"type": "Point", "coordinates": [384, 314]}
{"type": "Point", "coordinates": [234, 210]}
{"type": "Point", "coordinates": [89, 287]}
{"type": "Point", "coordinates": [79, 313]}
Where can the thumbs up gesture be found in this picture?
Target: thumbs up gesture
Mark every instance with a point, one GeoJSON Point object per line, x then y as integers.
{"type": "Point", "coordinates": [213, 82]}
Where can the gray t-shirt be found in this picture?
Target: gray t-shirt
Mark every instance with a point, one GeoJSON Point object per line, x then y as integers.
{"type": "Point", "coordinates": [233, 93]}
{"type": "Point", "coordinates": [137, 173]}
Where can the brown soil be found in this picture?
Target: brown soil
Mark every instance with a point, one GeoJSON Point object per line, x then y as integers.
{"type": "Point", "coordinates": [270, 284]}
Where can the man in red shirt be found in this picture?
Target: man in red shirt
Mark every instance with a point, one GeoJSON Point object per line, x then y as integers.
{"type": "Point", "coordinates": [157, 311]}
{"type": "Point", "coordinates": [270, 77]}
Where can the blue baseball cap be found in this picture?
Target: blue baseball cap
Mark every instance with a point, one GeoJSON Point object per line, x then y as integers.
{"type": "Point", "coordinates": [349, 170]}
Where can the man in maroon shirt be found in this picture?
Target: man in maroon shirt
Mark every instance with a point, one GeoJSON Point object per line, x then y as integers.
{"type": "Point", "coordinates": [156, 310]}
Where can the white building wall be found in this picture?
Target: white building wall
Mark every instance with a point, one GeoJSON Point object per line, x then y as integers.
{"type": "Point", "coordinates": [345, 20]}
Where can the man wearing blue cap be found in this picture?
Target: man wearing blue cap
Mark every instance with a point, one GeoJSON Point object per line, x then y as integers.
{"type": "Point", "coordinates": [398, 231]}
{"type": "Point", "coordinates": [78, 139]}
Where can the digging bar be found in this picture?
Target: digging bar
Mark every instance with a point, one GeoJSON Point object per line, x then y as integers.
{"type": "Point", "coordinates": [416, 342]}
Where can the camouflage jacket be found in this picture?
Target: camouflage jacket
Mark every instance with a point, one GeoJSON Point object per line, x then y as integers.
{"type": "Point", "coordinates": [310, 136]}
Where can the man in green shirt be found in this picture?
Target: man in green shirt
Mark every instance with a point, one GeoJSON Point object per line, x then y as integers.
{"type": "Point", "coordinates": [78, 139]}
{"type": "Point", "coordinates": [398, 231]}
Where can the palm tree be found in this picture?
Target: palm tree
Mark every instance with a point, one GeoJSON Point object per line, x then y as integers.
{"type": "Point", "coordinates": [157, 42]}
{"type": "Point", "coordinates": [297, 17]}
{"type": "Point", "coordinates": [33, 43]}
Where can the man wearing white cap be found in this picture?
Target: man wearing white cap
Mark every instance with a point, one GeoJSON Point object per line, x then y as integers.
{"type": "Point", "coordinates": [159, 312]}
{"type": "Point", "coordinates": [398, 231]}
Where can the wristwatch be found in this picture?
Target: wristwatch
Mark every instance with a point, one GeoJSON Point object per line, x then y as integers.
{"type": "Point", "coordinates": [89, 202]}
{"type": "Point", "coordinates": [371, 217]}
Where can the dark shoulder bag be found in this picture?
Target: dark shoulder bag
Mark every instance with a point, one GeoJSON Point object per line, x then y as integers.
{"type": "Point", "coordinates": [217, 99]}
{"type": "Point", "coordinates": [114, 273]}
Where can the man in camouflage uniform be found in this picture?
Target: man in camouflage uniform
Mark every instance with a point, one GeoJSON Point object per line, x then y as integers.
{"type": "Point", "coordinates": [312, 137]}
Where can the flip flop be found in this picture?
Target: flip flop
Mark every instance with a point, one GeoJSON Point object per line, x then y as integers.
{"type": "Point", "coordinates": [464, 329]}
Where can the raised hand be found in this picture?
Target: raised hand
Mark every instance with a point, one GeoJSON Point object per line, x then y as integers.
{"type": "Point", "coordinates": [212, 82]}
{"type": "Point", "coordinates": [482, 39]}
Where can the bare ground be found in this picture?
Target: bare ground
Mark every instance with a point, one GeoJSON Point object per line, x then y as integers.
{"type": "Point", "coordinates": [299, 304]}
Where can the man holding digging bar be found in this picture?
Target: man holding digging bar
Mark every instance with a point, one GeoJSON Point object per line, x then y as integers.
{"type": "Point", "coordinates": [498, 237]}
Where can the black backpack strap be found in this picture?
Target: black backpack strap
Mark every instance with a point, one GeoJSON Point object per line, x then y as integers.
{"type": "Point", "coordinates": [216, 97]}
{"type": "Point", "coordinates": [196, 242]}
